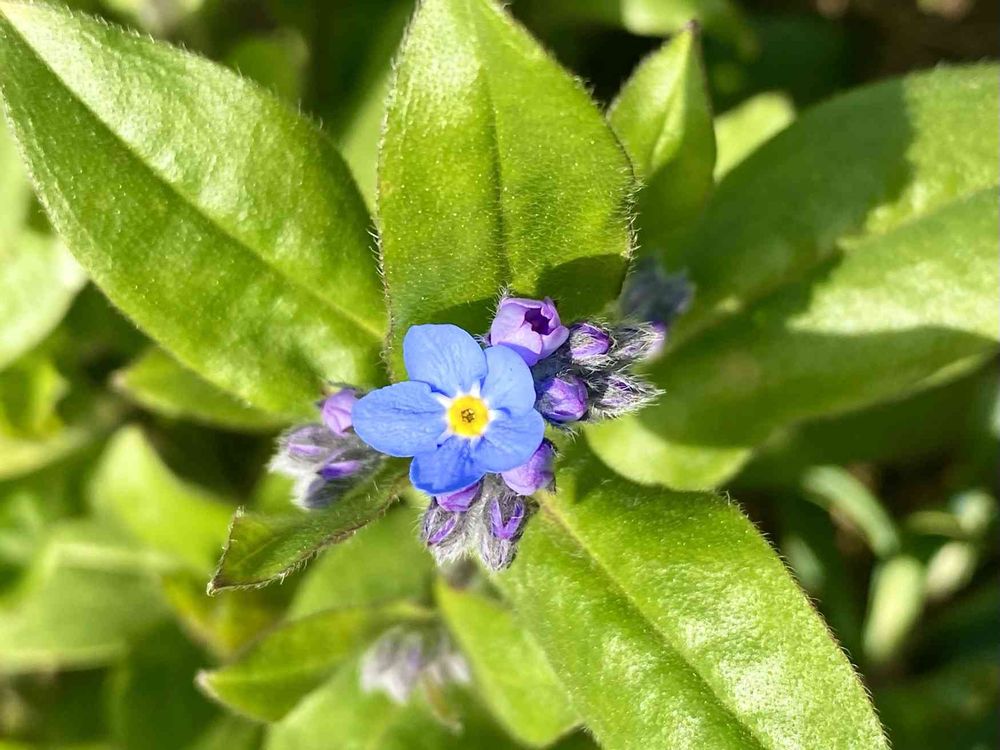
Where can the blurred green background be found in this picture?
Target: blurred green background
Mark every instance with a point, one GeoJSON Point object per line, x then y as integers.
{"type": "Point", "coordinates": [888, 517]}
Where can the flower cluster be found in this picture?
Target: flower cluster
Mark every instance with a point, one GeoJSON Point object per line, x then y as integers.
{"type": "Point", "coordinates": [473, 417]}
{"type": "Point", "coordinates": [403, 658]}
{"type": "Point", "coordinates": [583, 372]}
{"type": "Point", "coordinates": [325, 458]}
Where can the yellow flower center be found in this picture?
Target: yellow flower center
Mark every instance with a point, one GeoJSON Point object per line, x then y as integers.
{"type": "Point", "coordinates": [468, 416]}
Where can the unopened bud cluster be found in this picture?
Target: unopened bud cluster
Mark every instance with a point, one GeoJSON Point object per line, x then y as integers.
{"type": "Point", "coordinates": [404, 658]}
{"type": "Point", "coordinates": [489, 517]}
{"type": "Point", "coordinates": [583, 371]}
{"type": "Point", "coordinates": [325, 458]}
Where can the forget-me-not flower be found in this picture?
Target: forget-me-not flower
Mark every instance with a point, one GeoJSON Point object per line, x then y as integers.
{"type": "Point", "coordinates": [465, 412]}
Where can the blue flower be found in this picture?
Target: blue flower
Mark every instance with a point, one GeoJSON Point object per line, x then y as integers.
{"type": "Point", "coordinates": [464, 413]}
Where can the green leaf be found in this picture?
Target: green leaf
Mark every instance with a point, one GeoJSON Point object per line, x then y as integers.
{"type": "Point", "coordinates": [88, 594]}
{"type": "Point", "coordinates": [38, 280]}
{"type": "Point", "coordinates": [858, 331]}
{"type": "Point", "coordinates": [153, 702]}
{"type": "Point", "coordinates": [134, 490]}
{"type": "Point", "coordinates": [274, 673]}
{"type": "Point", "coordinates": [894, 432]}
{"type": "Point", "coordinates": [265, 548]}
{"type": "Point", "coordinates": [720, 18]}
{"type": "Point", "coordinates": [839, 492]}
{"type": "Point", "coordinates": [742, 130]}
{"type": "Point", "coordinates": [340, 715]}
{"type": "Point", "coordinates": [20, 456]}
{"type": "Point", "coordinates": [663, 117]}
{"type": "Point", "coordinates": [224, 625]}
{"type": "Point", "coordinates": [230, 733]}
{"type": "Point", "coordinates": [672, 623]}
{"type": "Point", "coordinates": [899, 202]}
{"type": "Point", "coordinates": [30, 390]}
{"type": "Point", "coordinates": [495, 169]}
{"type": "Point", "coordinates": [383, 562]}
{"type": "Point", "coordinates": [895, 603]}
{"type": "Point", "coordinates": [15, 192]}
{"type": "Point", "coordinates": [159, 383]}
{"type": "Point", "coordinates": [856, 167]}
{"type": "Point", "coordinates": [223, 223]}
{"type": "Point", "coordinates": [514, 679]}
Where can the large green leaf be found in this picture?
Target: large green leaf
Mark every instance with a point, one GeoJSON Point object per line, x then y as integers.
{"type": "Point", "coordinates": [134, 490]}
{"type": "Point", "coordinates": [273, 674]}
{"type": "Point", "coordinates": [663, 118]}
{"type": "Point", "coordinates": [264, 548]}
{"type": "Point", "coordinates": [514, 679]}
{"type": "Point", "coordinates": [896, 312]}
{"type": "Point", "coordinates": [87, 595]}
{"type": "Point", "coordinates": [383, 562]}
{"type": "Point", "coordinates": [215, 216]}
{"type": "Point", "coordinates": [860, 165]}
{"type": "Point", "coordinates": [159, 383]}
{"type": "Point", "coordinates": [495, 169]}
{"type": "Point", "coordinates": [673, 624]}
{"type": "Point", "coordinates": [813, 266]}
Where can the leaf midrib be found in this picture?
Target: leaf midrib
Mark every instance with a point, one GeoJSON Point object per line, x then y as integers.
{"type": "Point", "coordinates": [562, 522]}
{"type": "Point", "coordinates": [187, 200]}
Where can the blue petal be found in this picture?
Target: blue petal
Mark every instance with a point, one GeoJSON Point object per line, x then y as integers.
{"type": "Point", "coordinates": [508, 384]}
{"type": "Point", "coordinates": [445, 357]}
{"type": "Point", "coordinates": [509, 441]}
{"type": "Point", "coordinates": [447, 469]}
{"type": "Point", "coordinates": [401, 420]}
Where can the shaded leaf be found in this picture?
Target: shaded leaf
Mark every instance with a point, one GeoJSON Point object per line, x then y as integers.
{"type": "Point", "coordinates": [260, 225]}
{"type": "Point", "coordinates": [133, 489]}
{"type": "Point", "coordinates": [87, 595]}
{"type": "Point", "coordinates": [159, 383]}
{"type": "Point", "coordinates": [153, 702]}
{"type": "Point", "coordinates": [673, 624]}
{"type": "Point", "coordinates": [264, 548]}
{"type": "Point", "coordinates": [515, 681]}
{"type": "Point", "coordinates": [535, 191]}
{"type": "Point", "coordinates": [383, 562]}
{"type": "Point", "coordinates": [858, 166]}
{"type": "Point", "coordinates": [268, 679]}
{"type": "Point", "coordinates": [663, 118]}
{"type": "Point", "coordinates": [861, 330]}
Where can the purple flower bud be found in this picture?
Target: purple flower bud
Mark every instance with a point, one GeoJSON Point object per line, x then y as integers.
{"type": "Point", "coordinates": [336, 410]}
{"type": "Point", "coordinates": [461, 500]}
{"type": "Point", "coordinates": [506, 518]}
{"type": "Point", "coordinates": [562, 398]}
{"type": "Point", "coordinates": [310, 442]}
{"type": "Point", "coordinates": [635, 342]}
{"type": "Point", "coordinates": [504, 523]}
{"type": "Point", "coordinates": [340, 469]}
{"type": "Point", "coordinates": [444, 532]}
{"type": "Point", "coordinates": [530, 327]}
{"type": "Point", "coordinates": [535, 474]}
{"type": "Point", "coordinates": [588, 342]}
{"type": "Point", "coordinates": [618, 394]}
